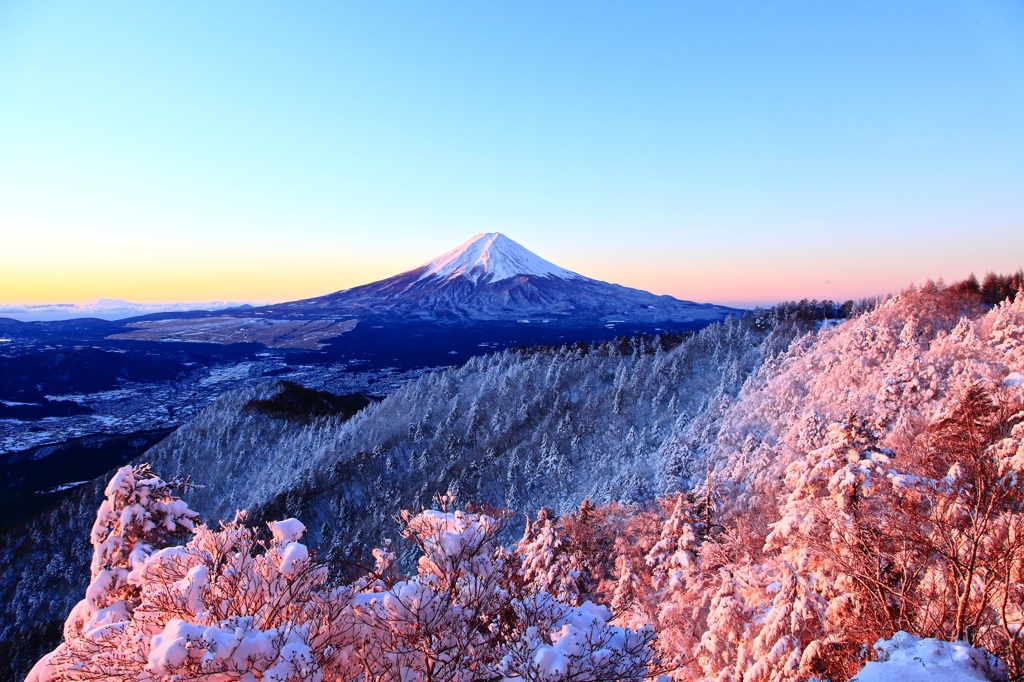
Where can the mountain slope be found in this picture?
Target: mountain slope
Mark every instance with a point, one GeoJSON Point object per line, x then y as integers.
{"type": "Point", "coordinates": [811, 427]}
{"type": "Point", "coordinates": [492, 278]}
{"type": "Point", "coordinates": [519, 429]}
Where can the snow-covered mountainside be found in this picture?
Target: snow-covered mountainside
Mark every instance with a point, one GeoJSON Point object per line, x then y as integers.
{"type": "Point", "coordinates": [492, 278]}
{"type": "Point", "coordinates": [518, 429]}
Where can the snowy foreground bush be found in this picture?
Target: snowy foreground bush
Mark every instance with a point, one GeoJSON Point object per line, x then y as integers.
{"type": "Point", "coordinates": [906, 658]}
{"type": "Point", "coordinates": [228, 605]}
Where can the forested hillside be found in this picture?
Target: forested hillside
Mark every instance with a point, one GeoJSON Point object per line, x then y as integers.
{"type": "Point", "coordinates": [865, 483]}
{"type": "Point", "coordinates": [519, 429]}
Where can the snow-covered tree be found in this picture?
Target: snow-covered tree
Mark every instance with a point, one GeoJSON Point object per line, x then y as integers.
{"type": "Point", "coordinates": [675, 553]}
{"type": "Point", "coordinates": [140, 514]}
{"type": "Point", "coordinates": [449, 620]}
{"type": "Point", "coordinates": [574, 644]}
{"type": "Point", "coordinates": [788, 638]}
{"type": "Point", "coordinates": [722, 650]}
{"type": "Point", "coordinates": [546, 560]}
{"type": "Point", "coordinates": [235, 605]}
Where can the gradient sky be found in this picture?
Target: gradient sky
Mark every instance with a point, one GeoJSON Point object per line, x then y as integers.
{"type": "Point", "coordinates": [716, 151]}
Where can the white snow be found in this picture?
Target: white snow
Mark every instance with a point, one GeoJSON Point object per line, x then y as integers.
{"type": "Point", "coordinates": [906, 658]}
{"type": "Point", "coordinates": [230, 373]}
{"type": "Point", "coordinates": [170, 647]}
{"type": "Point", "coordinates": [293, 557]}
{"type": "Point", "coordinates": [1014, 379]}
{"type": "Point", "coordinates": [491, 256]}
{"type": "Point", "coordinates": [579, 645]}
{"type": "Point", "coordinates": [288, 530]}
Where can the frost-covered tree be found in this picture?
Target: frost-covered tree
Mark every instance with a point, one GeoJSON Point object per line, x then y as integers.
{"type": "Point", "coordinates": [450, 620]}
{"type": "Point", "coordinates": [787, 641]}
{"type": "Point", "coordinates": [547, 562]}
{"type": "Point", "coordinates": [681, 590]}
{"type": "Point", "coordinates": [140, 514]}
{"type": "Point", "coordinates": [722, 650]}
{"type": "Point", "coordinates": [675, 553]}
{"type": "Point", "coordinates": [234, 604]}
{"type": "Point", "coordinates": [574, 643]}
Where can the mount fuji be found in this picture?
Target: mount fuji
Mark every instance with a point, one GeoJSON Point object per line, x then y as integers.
{"type": "Point", "coordinates": [489, 293]}
{"type": "Point", "coordinates": [492, 278]}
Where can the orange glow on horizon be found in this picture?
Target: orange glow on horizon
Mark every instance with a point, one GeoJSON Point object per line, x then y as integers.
{"type": "Point", "coordinates": [121, 266]}
{"type": "Point", "coordinates": [269, 282]}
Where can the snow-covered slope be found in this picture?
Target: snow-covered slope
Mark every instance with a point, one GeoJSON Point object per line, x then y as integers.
{"type": "Point", "coordinates": [492, 278]}
{"type": "Point", "coordinates": [513, 429]}
{"type": "Point", "coordinates": [823, 458]}
{"type": "Point", "coordinates": [491, 257]}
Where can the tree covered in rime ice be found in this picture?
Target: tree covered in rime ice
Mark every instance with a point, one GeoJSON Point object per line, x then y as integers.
{"type": "Point", "coordinates": [237, 604]}
{"type": "Point", "coordinates": [140, 513]}
{"type": "Point", "coordinates": [548, 564]}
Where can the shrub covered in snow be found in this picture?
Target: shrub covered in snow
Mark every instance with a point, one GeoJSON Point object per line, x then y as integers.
{"type": "Point", "coordinates": [236, 604]}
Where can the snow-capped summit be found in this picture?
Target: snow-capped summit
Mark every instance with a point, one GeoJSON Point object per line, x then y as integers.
{"type": "Point", "coordinates": [492, 278]}
{"type": "Point", "coordinates": [491, 256]}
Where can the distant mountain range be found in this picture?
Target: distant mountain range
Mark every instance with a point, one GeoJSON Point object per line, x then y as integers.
{"type": "Point", "coordinates": [102, 308]}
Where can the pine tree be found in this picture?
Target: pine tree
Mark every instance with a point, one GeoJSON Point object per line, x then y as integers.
{"type": "Point", "coordinates": [792, 624]}
{"type": "Point", "coordinates": [720, 653]}
{"type": "Point", "coordinates": [546, 562]}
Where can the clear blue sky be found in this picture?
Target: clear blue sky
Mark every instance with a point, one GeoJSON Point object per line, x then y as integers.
{"type": "Point", "coordinates": [732, 152]}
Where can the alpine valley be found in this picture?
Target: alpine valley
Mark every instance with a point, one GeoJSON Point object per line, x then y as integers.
{"type": "Point", "coordinates": [90, 393]}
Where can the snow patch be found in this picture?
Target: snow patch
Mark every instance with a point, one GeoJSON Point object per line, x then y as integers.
{"type": "Point", "coordinates": [906, 658]}
{"type": "Point", "coordinates": [1014, 379]}
{"type": "Point", "coordinates": [289, 530]}
{"type": "Point", "coordinates": [293, 557]}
